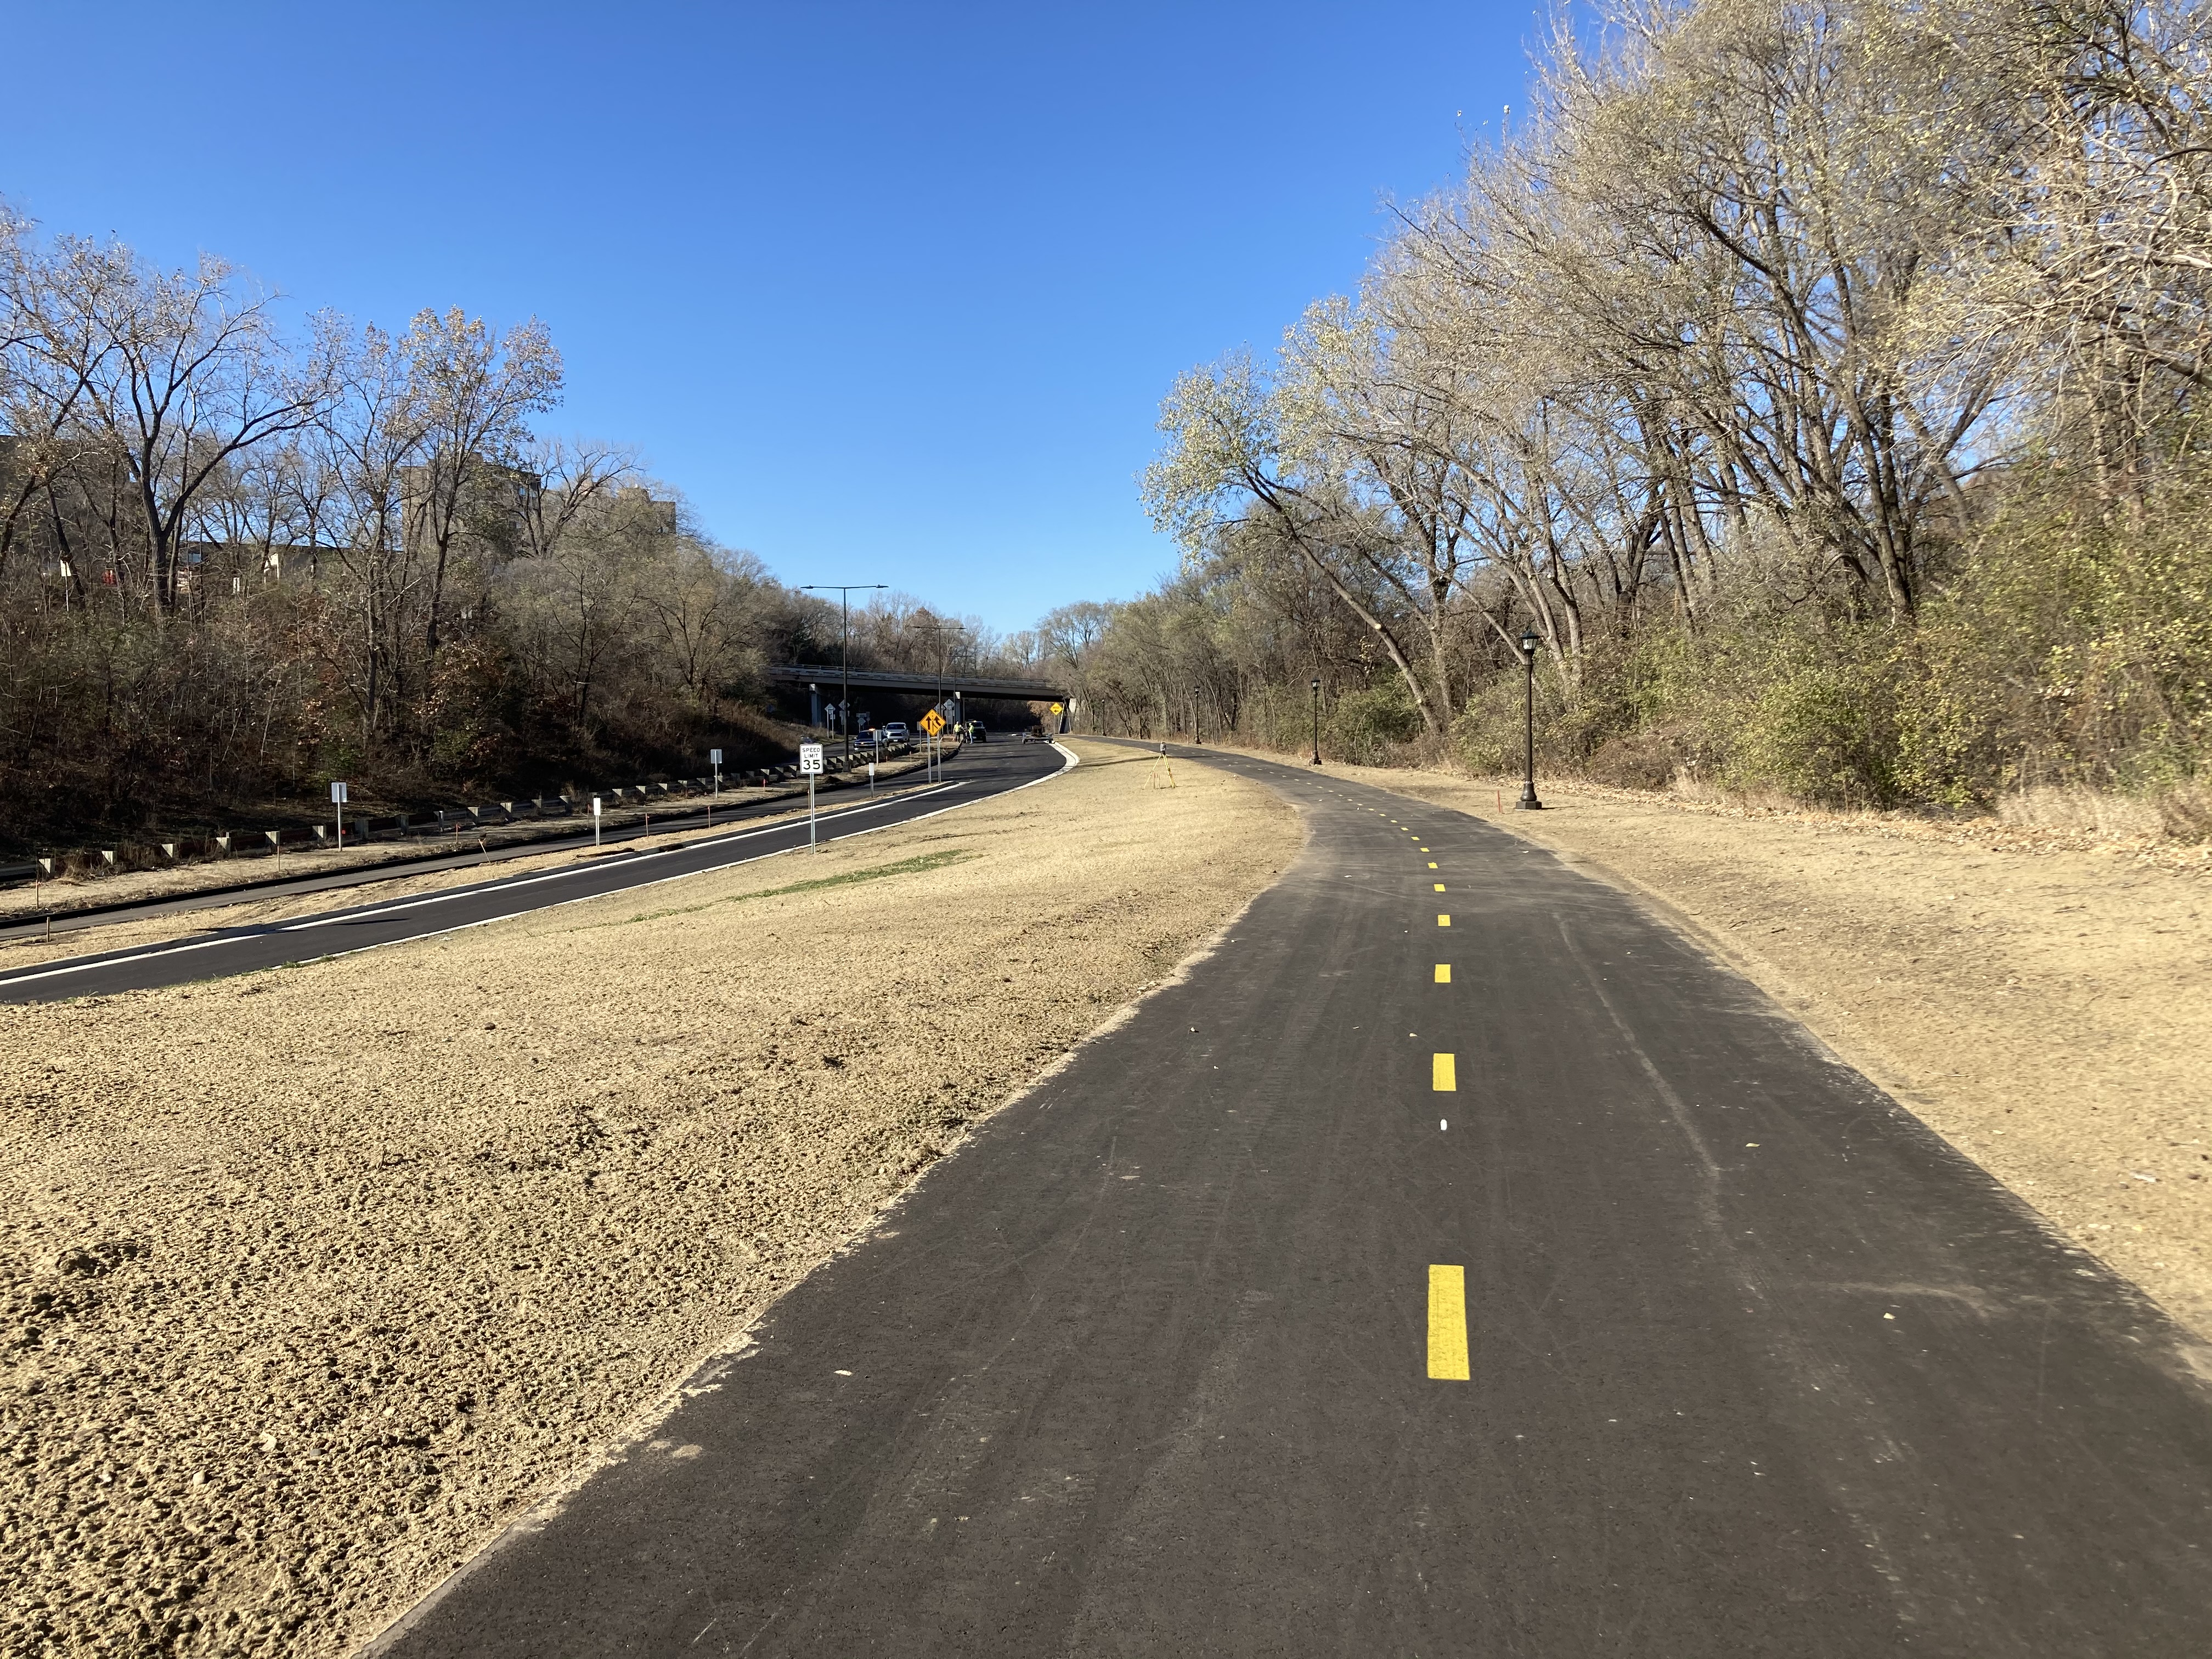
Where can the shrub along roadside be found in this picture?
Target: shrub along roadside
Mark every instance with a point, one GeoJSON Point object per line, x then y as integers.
{"type": "Point", "coordinates": [2064, 649]}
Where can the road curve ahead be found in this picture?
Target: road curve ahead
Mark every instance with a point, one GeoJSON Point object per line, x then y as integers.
{"type": "Point", "coordinates": [1522, 1285]}
{"type": "Point", "coordinates": [975, 772]}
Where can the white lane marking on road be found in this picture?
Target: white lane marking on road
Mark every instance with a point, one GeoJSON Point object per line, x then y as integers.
{"type": "Point", "coordinates": [519, 882]}
{"type": "Point", "coordinates": [1071, 762]}
{"type": "Point", "coordinates": [685, 875]}
{"type": "Point", "coordinates": [511, 883]}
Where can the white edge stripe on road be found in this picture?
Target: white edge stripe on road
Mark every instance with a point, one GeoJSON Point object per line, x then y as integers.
{"type": "Point", "coordinates": [479, 889]}
{"type": "Point", "coordinates": [709, 840]}
{"type": "Point", "coordinates": [1070, 762]}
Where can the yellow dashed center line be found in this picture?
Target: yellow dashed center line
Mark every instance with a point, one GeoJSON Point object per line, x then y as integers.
{"type": "Point", "coordinates": [1443, 973]}
{"type": "Point", "coordinates": [1433, 863]}
{"type": "Point", "coordinates": [1440, 887]}
{"type": "Point", "coordinates": [1448, 1324]}
{"type": "Point", "coordinates": [1443, 921]}
{"type": "Point", "coordinates": [1444, 1070]}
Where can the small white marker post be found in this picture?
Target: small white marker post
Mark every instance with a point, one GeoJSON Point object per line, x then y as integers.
{"type": "Point", "coordinates": [714, 759]}
{"type": "Point", "coordinates": [338, 800]}
{"type": "Point", "coordinates": [595, 820]}
{"type": "Point", "coordinates": [810, 763]}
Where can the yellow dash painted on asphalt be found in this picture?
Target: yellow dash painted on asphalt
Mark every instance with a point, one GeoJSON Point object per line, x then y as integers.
{"type": "Point", "coordinates": [1443, 921]}
{"type": "Point", "coordinates": [1448, 1324]}
{"type": "Point", "coordinates": [1433, 863]}
{"type": "Point", "coordinates": [1440, 887]}
{"type": "Point", "coordinates": [1443, 973]}
{"type": "Point", "coordinates": [1445, 1074]}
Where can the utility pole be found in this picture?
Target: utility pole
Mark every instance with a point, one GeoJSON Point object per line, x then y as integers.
{"type": "Point", "coordinates": [844, 647]}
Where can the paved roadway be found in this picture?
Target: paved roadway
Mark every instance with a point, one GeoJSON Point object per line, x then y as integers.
{"type": "Point", "coordinates": [1658, 1333]}
{"type": "Point", "coordinates": [974, 773]}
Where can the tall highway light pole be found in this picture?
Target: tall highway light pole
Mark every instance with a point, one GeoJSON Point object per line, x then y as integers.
{"type": "Point", "coordinates": [844, 593]}
{"type": "Point", "coordinates": [935, 629]}
{"type": "Point", "coordinates": [1528, 803]}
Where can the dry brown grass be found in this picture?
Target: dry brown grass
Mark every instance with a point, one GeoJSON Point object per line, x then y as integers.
{"type": "Point", "coordinates": [312, 1278]}
{"type": "Point", "coordinates": [2182, 812]}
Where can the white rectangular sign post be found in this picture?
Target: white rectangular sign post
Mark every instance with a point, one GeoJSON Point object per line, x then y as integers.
{"type": "Point", "coordinates": [595, 820]}
{"type": "Point", "coordinates": [809, 762]}
{"type": "Point", "coordinates": [714, 759]}
{"type": "Point", "coordinates": [338, 800]}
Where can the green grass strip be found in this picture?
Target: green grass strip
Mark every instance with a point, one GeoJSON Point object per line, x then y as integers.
{"type": "Point", "coordinates": [903, 867]}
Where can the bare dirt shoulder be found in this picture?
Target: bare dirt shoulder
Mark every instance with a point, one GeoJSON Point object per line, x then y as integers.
{"type": "Point", "coordinates": [2047, 1009]}
{"type": "Point", "coordinates": [310, 1279]}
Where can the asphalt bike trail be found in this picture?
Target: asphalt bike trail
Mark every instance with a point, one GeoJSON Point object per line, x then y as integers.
{"type": "Point", "coordinates": [1456, 1261]}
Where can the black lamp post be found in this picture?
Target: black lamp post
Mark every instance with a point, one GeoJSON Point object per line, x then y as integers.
{"type": "Point", "coordinates": [1528, 803]}
{"type": "Point", "coordinates": [1316, 695]}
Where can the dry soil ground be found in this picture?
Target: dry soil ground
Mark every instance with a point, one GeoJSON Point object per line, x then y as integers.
{"type": "Point", "coordinates": [308, 1280]}
{"type": "Point", "coordinates": [2047, 1009]}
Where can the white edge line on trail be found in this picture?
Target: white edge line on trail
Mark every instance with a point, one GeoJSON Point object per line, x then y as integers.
{"type": "Point", "coordinates": [1068, 764]}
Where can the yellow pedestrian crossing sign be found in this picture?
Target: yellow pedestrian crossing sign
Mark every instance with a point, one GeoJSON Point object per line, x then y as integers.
{"type": "Point", "coordinates": [1055, 709]}
{"type": "Point", "coordinates": [933, 722]}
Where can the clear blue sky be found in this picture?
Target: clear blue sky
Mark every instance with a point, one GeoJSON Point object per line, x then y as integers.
{"type": "Point", "coordinates": [891, 291]}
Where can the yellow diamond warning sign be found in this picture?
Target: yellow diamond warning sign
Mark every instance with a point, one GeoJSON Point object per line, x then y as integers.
{"type": "Point", "coordinates": [933, 722]}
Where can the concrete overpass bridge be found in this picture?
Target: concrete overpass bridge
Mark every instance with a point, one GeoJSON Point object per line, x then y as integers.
{"type": "Point", "coordinates": [824, 682]}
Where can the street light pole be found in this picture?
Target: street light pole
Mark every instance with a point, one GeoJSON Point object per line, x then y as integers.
{"type": "Point", "coordinates": [934, 627]}
{"type": "Point", "coordinates": [844, 647]}
{"type": "Point", "coordinates": [1528, 803]}
{"type": "Point", "coordinates": [1316, 695]}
